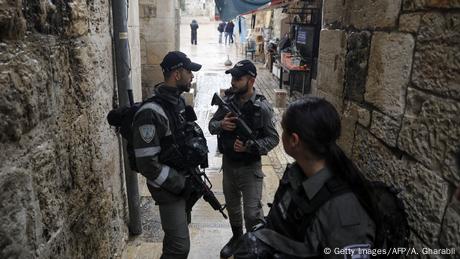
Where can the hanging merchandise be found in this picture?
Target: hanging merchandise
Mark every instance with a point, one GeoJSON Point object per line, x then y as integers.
{"type": "Point", "coordinates": [242, 29]}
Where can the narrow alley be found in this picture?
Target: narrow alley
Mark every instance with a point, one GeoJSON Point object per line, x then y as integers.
{"type": "Point", "coordinates": [387, 73]}
{"type": "Point", "coordinates": [209, 231]}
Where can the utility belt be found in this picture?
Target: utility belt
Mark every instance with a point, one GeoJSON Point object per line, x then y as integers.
{"type": "Point", "coordinates": [242, 162]}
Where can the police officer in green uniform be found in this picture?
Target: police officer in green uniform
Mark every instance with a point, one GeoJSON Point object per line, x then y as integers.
{"type": "Point", "coordinates": [155, 123]}
{"type": "Point", "coordinates": [321, 208]}
{"type": "Point", "coordinates": [241, 162]}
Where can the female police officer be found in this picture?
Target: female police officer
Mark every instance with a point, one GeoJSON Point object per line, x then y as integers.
{"type": "Point", "coordinates": [321, 208]}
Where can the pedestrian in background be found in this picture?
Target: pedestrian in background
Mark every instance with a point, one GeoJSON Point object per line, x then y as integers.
{"type": "Point", "coordinates": [194, 27]}
{"type": "Point", "coordinates": [229, 32]}
{"type": "Point", "coordinates": [241, 161]}
{"type": "Point", "coordinates": [221, 28]}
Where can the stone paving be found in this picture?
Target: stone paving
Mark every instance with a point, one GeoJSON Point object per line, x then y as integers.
{"type": "Point", "coordinates": [209, 231]}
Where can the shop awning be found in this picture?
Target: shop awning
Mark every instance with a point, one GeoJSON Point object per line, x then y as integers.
{"type": "Point", "coordinates": [229, 9]}
{"type": "Point", "coordinates": [274, 4]}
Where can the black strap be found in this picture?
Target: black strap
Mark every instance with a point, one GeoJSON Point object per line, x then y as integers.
{"type": "Point", "coordinates": [169, 111]}
{"type": "Point", "coordinates": [332, 188]}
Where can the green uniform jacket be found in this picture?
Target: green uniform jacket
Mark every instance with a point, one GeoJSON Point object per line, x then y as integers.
{"type": "Point", "coordinates": [150, 125]}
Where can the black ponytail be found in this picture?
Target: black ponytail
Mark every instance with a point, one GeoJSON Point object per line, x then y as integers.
{"type": "Point", "coordinates": [317, 123]}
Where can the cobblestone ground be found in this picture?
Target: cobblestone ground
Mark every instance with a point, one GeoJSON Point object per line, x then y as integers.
{"type": "Point", "coordinates": [209, 230]}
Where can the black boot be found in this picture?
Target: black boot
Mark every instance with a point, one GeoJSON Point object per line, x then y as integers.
{"type": "Point", "coordinates": [228, 249]}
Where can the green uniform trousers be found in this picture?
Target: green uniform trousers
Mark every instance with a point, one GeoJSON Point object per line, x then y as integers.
{"type": "Point", "coordinates": [243, 181]}
{"type": "Point", "coordinates": [176, 242]}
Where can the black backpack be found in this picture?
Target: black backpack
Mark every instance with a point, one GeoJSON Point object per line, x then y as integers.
{"type": "Point", "coordinates": [187, 152]}
{"type": "Point", "coordinates": [122, 118]}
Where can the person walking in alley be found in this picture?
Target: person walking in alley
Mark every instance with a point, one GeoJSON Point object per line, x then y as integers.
{"type": "Point", "coordinates": [220, 29]}
{"type": "Point", "coordinates": [229, 32]}
{"type": "Point", "coordinates": [322, 201]}
{"type": "Point", "coordinates": [158, 134]}
{"type": "Point", "coordinates": [194, 27]}
{"type": "Point", "coordinates": [241, 162]}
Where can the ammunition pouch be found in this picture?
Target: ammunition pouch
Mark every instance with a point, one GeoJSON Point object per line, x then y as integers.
{"type": "Point", "coordinates": [186, 150]}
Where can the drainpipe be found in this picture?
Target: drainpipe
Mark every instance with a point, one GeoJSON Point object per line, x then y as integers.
{"type": "Point", "coordinates": [125, 97]}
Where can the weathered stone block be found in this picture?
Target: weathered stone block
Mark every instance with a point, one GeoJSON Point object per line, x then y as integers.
{"type": "Point", "coordinates": [364, 117]}
{"type": "Point", "coordinates": [409, 22]}
{"type": "Point", "coordinates": [437, 61]}
{"type": "Point", "coordinates": [348, 121]}
{"type": "Point", "coordinates": [79, 19]}
{"type": "Point", "coordinates": [88, 66]}
{"type": "Point", "coordinates": [148, 10]}
{"type": "Point", "coordinates": [425, 196]}
{"type": "Point", "coordinates": [385, 128]}
{"type": "Point", "coordinates": [430, 129]}
{"type": "Point", "coordinates": [158, 30]}
{"type": "Point", "coordinates": [450, 236]}
{"type": "Point", "coordinates": [412, 5]}
{"type": "Point", "coordinates": [334, 13]}
{"type": "Point", "coordinates": [20, 218]}
{"type": "Point", "coordinates": [356, 65]}
{"type": "Point", "coordinates": [374, 159]}
{"type": "Point", "coordinates": [99, 16]}
{"type": "Point", "coordinates": [364, 14]}
{"type": "Point", "coordinates": [157, 51]}
{"type": "Point", "coordinates": [26, 92]}
{"type": "Point", "coordinates": [61, 168]}
{"type": "Point", "coordinates": [389, 70]}
{"type": "Point", "coordinates": [337, 102]}
{"type": "Point", "coordinates": [50, 186]}
{"type": "Point", "coordinates": [167, 9]}
{"type": "Point", "coordinates": [331, 63]}
{"type": "Point", "coordinates": [12, 22]}
{"type": "Point", "coordinates": [425, 193]}
{"type": "Point", "coordinates": [151, 75]}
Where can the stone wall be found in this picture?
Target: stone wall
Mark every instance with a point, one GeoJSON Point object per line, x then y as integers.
{"type": "Point", "coordinates": [198, 8]}
{"type": "Point", "coordinates": [159, 34]}
{"type": "Point", "coordinates": [392, 69]}
{"type": "Point", "coordinates": [62, 190]}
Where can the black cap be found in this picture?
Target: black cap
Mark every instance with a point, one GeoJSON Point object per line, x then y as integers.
{"type": "Point", "coordinates": [176, 59]}
{"type": "Point", "coordinates": [244, 67]}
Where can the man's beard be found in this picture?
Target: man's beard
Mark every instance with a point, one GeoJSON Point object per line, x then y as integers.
{"type": "Point", "coordinates": [184, 87]}
{"type": "Point", "coordinates": [241, 91]}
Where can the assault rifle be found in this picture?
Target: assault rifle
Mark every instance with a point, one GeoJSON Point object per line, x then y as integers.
{"type": "Point", "coordinates": [242, 129]}
{"type": "Point", "coordinates": [202, 187]}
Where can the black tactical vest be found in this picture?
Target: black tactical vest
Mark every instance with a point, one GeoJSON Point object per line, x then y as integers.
{"type": "Point", "coordinates": [292, 212]}
{"type": "Point", "coordinates": [186, 147]}
{"type": "Point", "coordinates": [252, 115]}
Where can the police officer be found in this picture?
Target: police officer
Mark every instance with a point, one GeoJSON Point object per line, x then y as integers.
{"type": "Point", "coordinates": [154, 122]}
{"type": "Point", "coordinates": [321, 208]}
{"type": "Point", "coordinates": [241, 163]}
